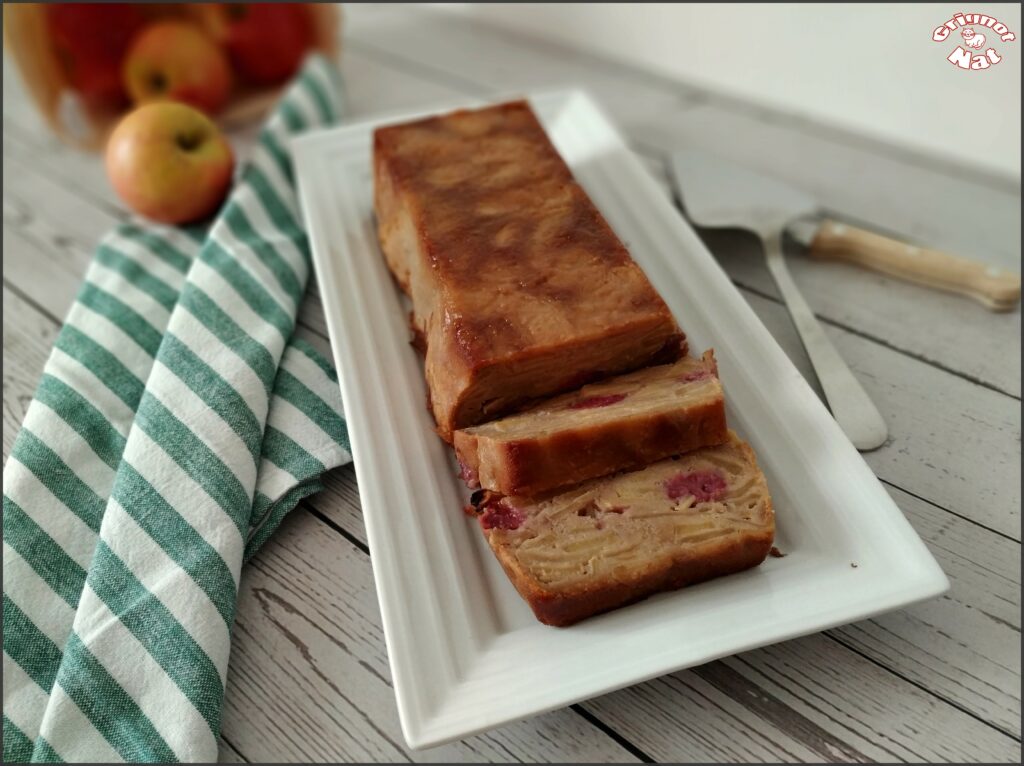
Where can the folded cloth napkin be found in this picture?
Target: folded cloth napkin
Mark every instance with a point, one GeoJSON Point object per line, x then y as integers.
{"type": "Point", "coordinates": [176, 422]}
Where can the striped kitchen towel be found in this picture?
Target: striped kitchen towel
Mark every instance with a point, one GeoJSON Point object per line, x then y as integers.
{"type": "Point", "coordinates": [177, 421]}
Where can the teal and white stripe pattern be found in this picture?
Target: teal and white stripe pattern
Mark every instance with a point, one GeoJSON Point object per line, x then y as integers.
{"type": "Point", "coordinates": [176, 422]}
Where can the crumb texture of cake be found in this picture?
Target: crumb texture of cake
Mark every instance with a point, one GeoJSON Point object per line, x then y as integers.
{"type": "Point", "coordinates": [520, 288]}
{"type": "Point", "coordinates": [616, 540]}
{"type": "Point", "coordinates": [619, 424]}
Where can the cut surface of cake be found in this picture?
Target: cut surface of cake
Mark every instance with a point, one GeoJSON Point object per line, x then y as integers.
{"type": "Point", "coordinates": [619, 539]}
{"type": "Point", "coordinates": [621, 423]}
{"type": "Point", "coordinates": [520, 288]}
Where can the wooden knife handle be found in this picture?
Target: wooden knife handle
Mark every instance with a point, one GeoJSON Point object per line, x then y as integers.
{"type": "Point", "coordinates": [997, 289]}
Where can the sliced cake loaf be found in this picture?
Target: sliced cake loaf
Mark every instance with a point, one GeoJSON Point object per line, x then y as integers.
{"type": "Point", "coordinates": [618, 424]}
{"type": "Point", "coordinates": [616, 540]}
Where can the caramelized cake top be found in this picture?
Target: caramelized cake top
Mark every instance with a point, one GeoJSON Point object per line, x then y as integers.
{"type": "Point", "coordinates": [524, 258]}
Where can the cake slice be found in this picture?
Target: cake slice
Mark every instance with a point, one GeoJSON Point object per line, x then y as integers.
{"type": "Point", "coordinates": [616, 540]}
{"type": "Point", "coordinates": [520, 288]}
{"type": "Point", "coordinates": [618, 424]}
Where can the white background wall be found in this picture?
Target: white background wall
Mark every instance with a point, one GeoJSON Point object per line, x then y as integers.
{"type": "Point", "coordinates": [869, 68]}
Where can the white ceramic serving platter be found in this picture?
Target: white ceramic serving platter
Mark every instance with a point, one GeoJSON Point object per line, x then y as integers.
{"type": "Point", "coordinates": [466, 653]}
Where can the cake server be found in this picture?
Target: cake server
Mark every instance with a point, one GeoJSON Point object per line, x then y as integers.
{"type": "Point", "coordinates": [719, 195]}
{"type": "Point", "coordinates": [996, 289]}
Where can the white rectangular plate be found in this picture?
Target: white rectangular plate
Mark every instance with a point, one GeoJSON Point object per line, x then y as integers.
{"type": "Point", "coordinates": [466, 653]}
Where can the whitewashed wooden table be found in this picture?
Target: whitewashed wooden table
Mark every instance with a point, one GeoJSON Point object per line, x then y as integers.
{"type": "Point", "coordinates": [309, 678]}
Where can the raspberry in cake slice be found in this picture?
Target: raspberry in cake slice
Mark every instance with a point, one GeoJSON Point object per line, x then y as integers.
{"type": "Point", "coordinates": [616, 540]}
{"type": "Point", "coordinates": [618, 424]}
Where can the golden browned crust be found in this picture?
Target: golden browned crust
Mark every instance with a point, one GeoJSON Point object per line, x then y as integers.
{"type": "Point", "coordinates": [519, 285]}
{"type": "Point", "coordinates": [724, 539]}
{"type": "Point", "coordinates": [549, 458]}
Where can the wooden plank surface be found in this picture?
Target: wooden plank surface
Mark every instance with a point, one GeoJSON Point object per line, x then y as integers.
{"type": "Point", "coordinates": [941, 680]}
{"type": "Point", "coordinates": [226, 753]}
{"type": "Point", "coordinates": [28, 336]}
{"type": "Point", "coordinates": [308, 638]}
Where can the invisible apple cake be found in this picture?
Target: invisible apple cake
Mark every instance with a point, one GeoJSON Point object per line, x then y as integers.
{"type": "Point", "coordinates": [621, 423]}
{"type": "Point", "coordinates": [522, 292]}
{"type": "Point", "coordinates": [616, 540]}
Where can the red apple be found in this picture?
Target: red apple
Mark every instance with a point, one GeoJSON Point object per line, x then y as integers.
{"type": "Point", "coordinates": [177, 61]}
{"type": "Point", "coordinates": [266, 41]}
{"type": "Point", "coordinates": [90, 40]}
{"type": "Point", "coordinates": [169, 162]}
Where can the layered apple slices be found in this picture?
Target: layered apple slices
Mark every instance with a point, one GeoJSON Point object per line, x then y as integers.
{"type": "Point", "coordinates": [616, 540]}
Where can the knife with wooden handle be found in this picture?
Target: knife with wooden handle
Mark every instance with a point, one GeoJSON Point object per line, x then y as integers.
{"type": "Point", "coordinates": [997, 289]}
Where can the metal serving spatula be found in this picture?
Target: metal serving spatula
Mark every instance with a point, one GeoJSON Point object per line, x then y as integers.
{"type": "Point", "coordinates": [719, 195]}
